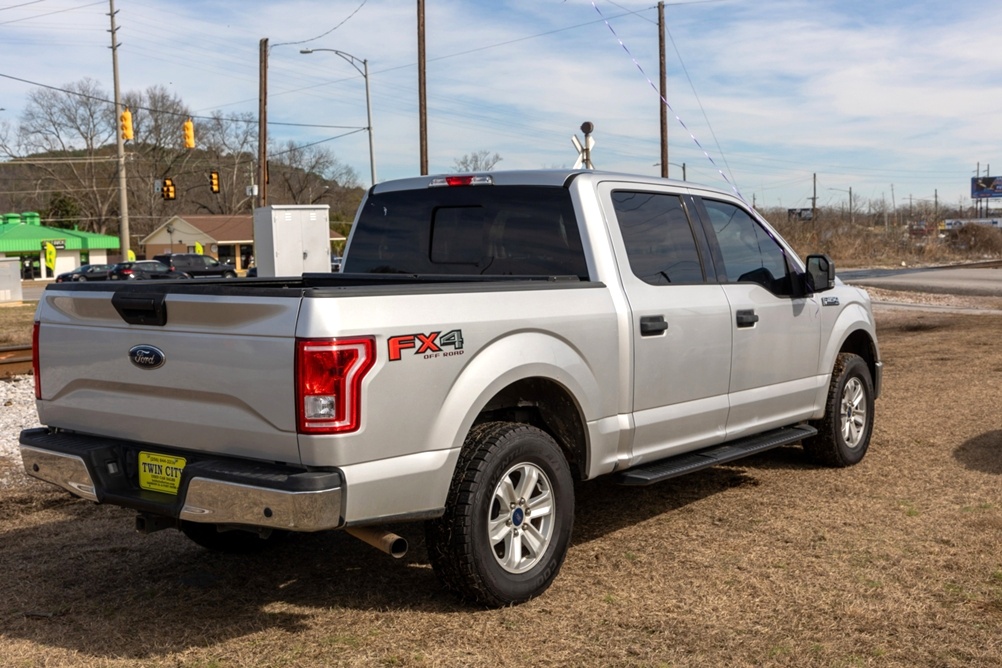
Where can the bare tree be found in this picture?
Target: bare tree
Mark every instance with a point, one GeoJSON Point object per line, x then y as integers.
{"type": "Point", "coordinates": [66, 134]}
{"type": "Point", "coordinates": [227, 146]}
{"type": "Point", "coordinates": [156, 153]}
{"type": "Point", "coordinates": [478, 161]}
{"type": "Point", "coordinates": [312, 175]}
{"type": "Point", "coordinates": [63, 161]}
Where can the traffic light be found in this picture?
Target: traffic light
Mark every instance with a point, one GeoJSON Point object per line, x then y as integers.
{"type": "Point", "coordinates": [189, 134]}
{"type": "Point", "coordinates": [167, 191]}
{"type": "Point", "coordinates": [126, 124]}
{"type": "Point", "coordinates": [214, 181]}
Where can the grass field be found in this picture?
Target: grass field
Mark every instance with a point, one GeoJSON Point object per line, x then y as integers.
{"type": "Point", "coordinates": [15, 323]}
{"type": "Point", "coordinates": [768, 562]}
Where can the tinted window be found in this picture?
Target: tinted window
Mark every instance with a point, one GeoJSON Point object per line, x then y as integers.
{"type": "Point", "coordinates": [658, 239]}
{"type": "Point", "coordinates": [750, 254]}
{"type": "Point", "coordinates": [491, 230]}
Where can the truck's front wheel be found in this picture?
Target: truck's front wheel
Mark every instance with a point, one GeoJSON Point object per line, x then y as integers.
{"type": "Point", "coordinates": [508, 516]}
{"type": "Point", "coordinates": [844, 433]}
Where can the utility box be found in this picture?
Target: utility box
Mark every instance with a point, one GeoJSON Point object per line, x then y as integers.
{"type": "Point", "coordinates": [10, 280]}
{"type": "Point", "coordinates": [292, 239]}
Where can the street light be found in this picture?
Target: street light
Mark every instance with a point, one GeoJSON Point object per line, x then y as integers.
{"type": "Point", "coordinates": [364, 71]}
{"type": "Point", "coordinates": [658, 164]}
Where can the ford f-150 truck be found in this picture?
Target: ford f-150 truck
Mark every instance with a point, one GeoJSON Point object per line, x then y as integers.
{"type": "Point", "coordinates": [493, 338]}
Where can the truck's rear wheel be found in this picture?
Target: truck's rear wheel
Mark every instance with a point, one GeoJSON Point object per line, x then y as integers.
{"type": "Point", "coordinates": [234, 542]}
{"type": "Point", "coordinates": [508, 516]}
{"type": "Point", "coordinates": [844, 433]}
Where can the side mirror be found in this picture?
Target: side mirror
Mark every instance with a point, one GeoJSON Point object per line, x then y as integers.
{"type": "Point", "coordinates": [820, 273]}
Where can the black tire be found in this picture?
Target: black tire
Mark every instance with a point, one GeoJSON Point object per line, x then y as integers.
{"type": "Point", "coordinates": [232, 542]}
{"type": "Point", "coordinates": [517, 464]}
{"type": "Point", "coordinates": [229, 274]}
{"type": "Point", "coordinates": [844, 433]}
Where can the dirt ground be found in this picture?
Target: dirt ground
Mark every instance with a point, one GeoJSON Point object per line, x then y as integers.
{"type": "Point", "coordinates": [768, 562]}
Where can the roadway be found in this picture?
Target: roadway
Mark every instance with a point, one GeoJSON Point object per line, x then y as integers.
{"type": "Point", "coordinates": [982, 279]}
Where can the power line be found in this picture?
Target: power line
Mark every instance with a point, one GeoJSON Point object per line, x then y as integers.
{"type": "Point", "coordinates": [38, 16]}
{"type": "Point", "coordinates": [171, 113]}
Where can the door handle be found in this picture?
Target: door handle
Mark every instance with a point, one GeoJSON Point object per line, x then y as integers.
{"type": "Point", "coordinates": [746, 318]}
{"type": "Point", "coordinates": [653, 325]}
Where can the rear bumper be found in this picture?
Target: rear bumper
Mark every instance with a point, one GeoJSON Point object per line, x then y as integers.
{"type": "Point", "coordinates": [211, 490]}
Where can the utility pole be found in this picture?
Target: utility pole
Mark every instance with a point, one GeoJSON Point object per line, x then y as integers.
{"type": "Point", "coordinates": [664, 91]}
{"type": "Point", "coordinates": [977, 202]}
{"type": "Point", "coordinates": [814, 200]}
{"type": "Point", "coordinates": [262, 125]}
{"type": "Point", "coordinates": [123, 193]}
{"type": "Point", "coordinates": [422, 96]}
{"type": "Point", "coordinates": [894, 206]}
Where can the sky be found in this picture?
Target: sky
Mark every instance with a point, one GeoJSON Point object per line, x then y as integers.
{"type": "Point", "coordinates": [898, 101]}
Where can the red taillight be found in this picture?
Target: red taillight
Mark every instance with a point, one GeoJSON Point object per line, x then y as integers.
{"type": "Point", "coordinates": [329, 374]}
{"type": "Point", "coordinates": [34, 360]}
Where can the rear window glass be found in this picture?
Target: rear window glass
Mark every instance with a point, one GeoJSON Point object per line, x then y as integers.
{"type": "Point", "coordinates": [488, 230]}
{"type": "Point", "coordinates": [659, 242]}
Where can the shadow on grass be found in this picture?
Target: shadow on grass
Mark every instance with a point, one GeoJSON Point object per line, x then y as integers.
{"type": "Point", "coordinates": [79, 578]}
{"type": "Point", "coordinates": [604, 507]}
{"type": "Point", "coordinates": [982, 453]}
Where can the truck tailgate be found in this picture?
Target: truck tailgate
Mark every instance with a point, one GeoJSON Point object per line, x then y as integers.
{"type": "Point", "coordinates": [225, 383]}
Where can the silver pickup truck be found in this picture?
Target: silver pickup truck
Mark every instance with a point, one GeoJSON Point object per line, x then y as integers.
{"type": "Point", "coordinates": [493, 339]}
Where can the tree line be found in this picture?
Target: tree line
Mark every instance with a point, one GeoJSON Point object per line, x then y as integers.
{"type": "Point", "coordinates": [60, 159]}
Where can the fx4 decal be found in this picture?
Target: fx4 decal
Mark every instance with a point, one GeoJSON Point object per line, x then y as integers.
{"type": "Point", "coordinates": [829, 301]}
{"type": "Point", "coordinates": [427, 345]}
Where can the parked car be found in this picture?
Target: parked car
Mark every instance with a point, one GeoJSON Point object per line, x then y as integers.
{"type": "Point", "coordinates": [85, 272]}
{"type": "Point", "coordinates": [144, 269]}
{"type": "Point", "coordinates": [197, 266]}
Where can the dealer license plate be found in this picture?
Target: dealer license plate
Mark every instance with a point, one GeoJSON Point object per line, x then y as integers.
{"type": "Point", "coordinates": [160, 473]}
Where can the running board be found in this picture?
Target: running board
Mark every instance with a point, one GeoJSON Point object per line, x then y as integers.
{"type": "Point", "coordinates": [663, 469]}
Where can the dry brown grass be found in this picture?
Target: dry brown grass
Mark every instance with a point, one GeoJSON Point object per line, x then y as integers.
{"type": "Point", "coordinates": [15, 323]}
{"type": "Point", "coordinates": [855, 244]}
{"type": "Point", "coordinates": [769, 562]}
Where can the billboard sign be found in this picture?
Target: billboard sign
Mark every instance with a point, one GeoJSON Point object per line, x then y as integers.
{"type": "Point", "coordinates": [986, 186]}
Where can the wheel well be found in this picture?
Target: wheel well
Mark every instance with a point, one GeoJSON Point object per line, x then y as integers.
{"type": "Point", "coordinates": [549, 406]}
{"type": "Point", "coordinates": [860, 343]}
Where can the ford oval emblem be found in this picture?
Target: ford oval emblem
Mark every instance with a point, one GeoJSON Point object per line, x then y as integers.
{"type": "Point", "coordinates": [147, 357]}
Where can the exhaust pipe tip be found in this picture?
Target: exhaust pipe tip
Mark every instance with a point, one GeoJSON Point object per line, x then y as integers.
{"type": "Point", "coordinates": [384, 541]}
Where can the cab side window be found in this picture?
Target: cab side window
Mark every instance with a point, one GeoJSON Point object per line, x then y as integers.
{"type": "Point", "coordinates": [659, 242]}
{"type": "Point", "coordinates": [750, 253]}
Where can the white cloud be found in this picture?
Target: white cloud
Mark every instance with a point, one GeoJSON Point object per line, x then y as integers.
{"type": "Point", "coordinates": [865, 94]}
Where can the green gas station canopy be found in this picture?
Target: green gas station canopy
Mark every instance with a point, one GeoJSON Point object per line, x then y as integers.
{"type": "Point", "coordinates": [24, 233]}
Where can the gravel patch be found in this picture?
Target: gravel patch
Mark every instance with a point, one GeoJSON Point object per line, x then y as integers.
{"type": "Point", "coordinates": [967, 304]}
{"type": "Point", "coordinates": [17, 412]}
